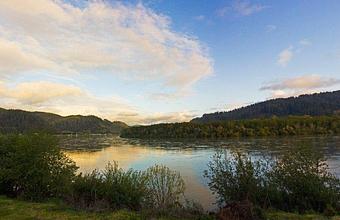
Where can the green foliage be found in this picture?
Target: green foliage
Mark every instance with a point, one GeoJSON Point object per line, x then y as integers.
{"type": "Point", "coordinates": [293, 125]}
{"type": "Point", "coordinates": [298, 180]}
{"type": "Point", "coordinates": [33, 167]}
{"type": "Point", "coordinates": [235, 177]}
{"type": "Point", "coordinates": [18, 121]}
{"type": "Point", "coordinates": [113, 188]}
{"type": "Point", "coordinates": [327, 103]}
{"type": "Point", "coordinates": [303, 181]}
{"type": "Point", "coordinates": [157, 188]}
{"type": "Point", "coordinates": [165, 188]}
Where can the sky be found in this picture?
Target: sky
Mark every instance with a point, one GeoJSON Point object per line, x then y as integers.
{"type": "Point", "coordinates": [153, 61]}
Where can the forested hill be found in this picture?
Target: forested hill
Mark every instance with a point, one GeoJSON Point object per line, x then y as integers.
{"type": "Point", "coordinates": [326, 103]}
{"type": "Point", "coordinates": [24, 121]}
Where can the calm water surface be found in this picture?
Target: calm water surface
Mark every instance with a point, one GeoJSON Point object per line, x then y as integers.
{"type": "Point", "coordinates": [189, 157]}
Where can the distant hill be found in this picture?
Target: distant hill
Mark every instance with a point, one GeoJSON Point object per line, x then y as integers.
{"type": "Point", "coordinates": [326, 103]}
{"type": "Point", "coordinates": [24, 121]}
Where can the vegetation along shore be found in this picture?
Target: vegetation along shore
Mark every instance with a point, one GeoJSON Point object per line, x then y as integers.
{"type": "Point", "coordinates": [34, 169]}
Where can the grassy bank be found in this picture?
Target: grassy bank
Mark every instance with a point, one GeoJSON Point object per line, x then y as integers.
{"type": "Point", "coordinates": [291, 216]}
{"type": "Point", "coordinates": [16, 209]}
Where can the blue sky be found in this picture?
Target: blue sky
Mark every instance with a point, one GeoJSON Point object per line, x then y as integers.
{"type": "Point", "coordinates": [162, 61]}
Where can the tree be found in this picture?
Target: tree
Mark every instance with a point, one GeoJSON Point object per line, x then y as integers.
{"type": "Point", "coordinates": [33, 166]}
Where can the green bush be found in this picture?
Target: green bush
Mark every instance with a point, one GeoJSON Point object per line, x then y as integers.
{"type": "Point", "coordinates": [235, 177]}
{"type": "Point", "coordinates": [303, 181]}
{"type": "Point", "coordinates": [113, 188]}
{"type": "Point", "coordinates": [33, 167]}
{"type": "Point", "coordinates": [298, 180]}
{"type": "Point", "coordinates": [158, 189]}
{"type": "Point", "coordinates": [86, 192]}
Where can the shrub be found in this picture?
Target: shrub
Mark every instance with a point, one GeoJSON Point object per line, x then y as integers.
{"type": "Point", "coordinates": [165, 188]}
{"type": "Point", "coordinates": [126, 189]}
{"type": "Point", "coordinates": [298, 180]}
{"type": "Point", "coordinates": [329, 211]}
{"type": "Point", "coordinates": [33, 167]}
{"type": "Point", "coordinates": [86, 192]}
{"type": "Point", "coordinates": [235, 178]}
{"type": "Point", "coordinates": [112, 188]}
{"type": "Point", "coordinates": [303, 181]}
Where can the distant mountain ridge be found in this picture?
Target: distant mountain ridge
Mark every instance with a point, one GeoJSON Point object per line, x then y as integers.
{"type": "Point", "coordinates": [14, 120]}
{"type": "Point", "coordinates": [326, 103]}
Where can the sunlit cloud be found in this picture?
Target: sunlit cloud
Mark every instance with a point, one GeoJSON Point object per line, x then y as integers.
{"type": "Point", "coordinates": [38, 92]}
{"type": "Point", "coordinates": [130, 41]}
{"type": "Point", "coordinates": [299, 85]}
{"type": "Point", "coordinates": [60, 99]}
{"type": "Point", "coordinates": [71, 100]}
{"type": "Point", "coordinates": [161, 117]}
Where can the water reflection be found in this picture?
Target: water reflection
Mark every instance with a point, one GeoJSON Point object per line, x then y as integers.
{"type": "Point", "coordinates": [189, 157]}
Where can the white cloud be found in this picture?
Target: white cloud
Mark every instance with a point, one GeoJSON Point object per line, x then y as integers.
{"type": "Point", "coordinates": [221, 12]}
{"type": "Point", "coordinates": [131, 41]}
{"type": "Point", "coordinates": [270, 28]}
{"type": "Point", "coordinates": [299, 85]}
{"type": "Point", "coordinates": [168, 96]}
{"type": "Point", "coordinates": [245, 8]}
{"type": "Point", "coordinates": [305, 42]}
{"type": "Point", "coordinates": [240, 7]}
{"type": "Point", "coordinates": [199, 17]}
{"type": "Point", "coordinates": [285, 56]}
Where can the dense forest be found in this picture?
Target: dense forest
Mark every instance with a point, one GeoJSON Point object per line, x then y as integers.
{"type": "Point", "coordinates": [275, 126]}
{"type": "Point", "coordinates": [18, 121]}
{"type": "Point", "coordinates": [326, 103]}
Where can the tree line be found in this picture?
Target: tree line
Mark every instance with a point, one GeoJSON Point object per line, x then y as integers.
{"type": "Point", "coordinates": [292, 125]}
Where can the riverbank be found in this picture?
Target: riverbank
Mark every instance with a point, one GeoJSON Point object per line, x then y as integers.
{"type": "Point", "coordinates": [17, 209]}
